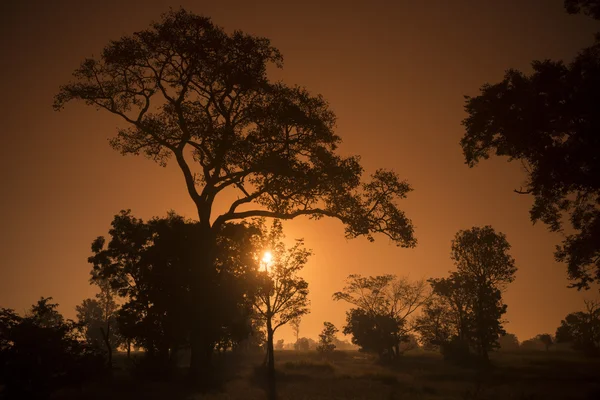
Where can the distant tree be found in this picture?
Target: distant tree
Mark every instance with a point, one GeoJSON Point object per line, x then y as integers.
{"type": "Point", "coordinates": [41, 352]}
{"type": "Point", "coordinates": [279, 344]}
{"type": "Point", "coordinates": [410, 342]}
{"type": "Point", "coordinates": [343, 344]}
{"type": "Point", "coordinates": [295, 324]}
{"type": "Point", "coordinates": [547, 121]}
{"type": "Point", "coordinates": [375, 333]}
{"type": "Point", "coordinates": [379, 323]}
{"type": "Point", "coordinates": [466, 309]}
{"type": "Point", "coordinates": [89, 316]}
{"type": "Point", "coordinates": [533, 344]}
{"type": "Point", "coordinates": [281, 294]}
{"type": "Point", "coordinates": [443, 316]}
{"type": "Point", "coordinates": [546, 340]}
{"type": "Point", "coordinates": [302, 344]}
{"type": "Point", "coordinates": [582, 329]}
{"type": "Point", "coordinates": [190, 91]}
{"type": "Point", "coordinates": [485, 267]}
{"type": "Point", "coordinates": [327, 339]}
{"type": "Point", "coordinates": [98, 318]}
{"type": "Point", "coordinates": [508, 342]}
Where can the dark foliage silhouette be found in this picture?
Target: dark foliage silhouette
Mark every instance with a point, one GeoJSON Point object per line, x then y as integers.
{"type": "Point", "coordinates": [191, 92]}
{"type": "Point", "coordinates": [375, 333]}
{"type": "Point", "coordinates": [295, 325]}
{"type": "Point", "coordinates": [379, 323]}
{"type": "Point", "coordinates": [151, 265]}
{"type": "Point", "coordinates": [587, 7]}
{"type": "Point", "coordinates": [508, 342]}
{"type": "Point", "coordinates": [98, 320]}
{"type": "Point", "coordinates": [546, 340]}
{"type": "Point", "coordinates": [548, 121]}
{"type": "Point", "coordinates": [41, 352]}
{"type": "Point", "coordinates": [467, 308]}
{"type": "Point", "coordinates": [582, 330]}
{"type": "Point", "coordinates": [327, 339]}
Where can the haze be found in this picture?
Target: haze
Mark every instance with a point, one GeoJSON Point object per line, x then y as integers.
{"type": "Point", "coordinates": [395, 74]}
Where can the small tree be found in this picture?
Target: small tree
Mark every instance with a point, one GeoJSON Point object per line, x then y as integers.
{"type": "Point", "coordinates": [436, 324]}
{"type": "Point", "coordinates": [484, 268]}
{"type": "Point", "coordinates": [295, 324]}
{"type": "Point", "coordinates": [302, 344]}
{"type": "Point", "coordinates": [41, 352]}
{"type": "Point", "coordinates": [281, 295]}
{"type": "Point", "coordinates": [99, 319]}
{"type": "Point", "coordinates": [327, 338]}
{"type": "Point", "coordinates": [383, 305]}
{"type": "Point", "coordinates": [582, 329]}
{"type": "Point", "coordinates": [508, 342]}
{"type": "Point", "coordinates": [546, 339]}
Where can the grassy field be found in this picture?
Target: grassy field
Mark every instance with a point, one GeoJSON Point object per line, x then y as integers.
{"type": "Point", "coordinates": [353, 375]}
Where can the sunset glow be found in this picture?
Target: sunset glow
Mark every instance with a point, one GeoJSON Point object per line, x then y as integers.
{"type": "Point", "coordinates": [267, 259]}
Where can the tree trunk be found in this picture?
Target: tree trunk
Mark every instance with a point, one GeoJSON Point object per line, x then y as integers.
{"type": "Point", "coordinates": [106, 338]}
{"type": "Point", "coordinates": [200, 342]}
{"type": "Point", "coordinates": [271, 362]}
{"type": "Point", "coordinates": [128, 348]}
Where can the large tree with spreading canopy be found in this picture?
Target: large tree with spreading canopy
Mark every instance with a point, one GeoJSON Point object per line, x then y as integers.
{"type": "Point", "coordinates": [548, 120]}
{"type": "Point", "coordinates": [189, 91]}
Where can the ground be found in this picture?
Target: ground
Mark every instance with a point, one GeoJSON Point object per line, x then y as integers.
{"type": "Point", "coordinates": [353, 375]}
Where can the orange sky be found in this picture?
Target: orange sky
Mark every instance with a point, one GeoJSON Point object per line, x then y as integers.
{"type": "Point", "coordinates": [394, 72]}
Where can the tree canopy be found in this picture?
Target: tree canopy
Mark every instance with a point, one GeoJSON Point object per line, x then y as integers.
{"type": "Point", "coordinates": [383, 304]}
{"type": "Point", "coordinates": [191, 92]}
{"type": "Point", "coordinates": [467, 306]}
{"type": "Point", "coordinates": [150, 265]}
{"type": "Point", "coordinates": [548, 121]}
{"type": "Point", "coordinates": [582, 329]}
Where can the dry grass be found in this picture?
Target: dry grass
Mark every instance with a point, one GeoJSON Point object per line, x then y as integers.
{"type": "Point", "coordinates": [353, 375]}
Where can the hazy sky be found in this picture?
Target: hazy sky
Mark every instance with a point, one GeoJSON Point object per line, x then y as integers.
{"type": "Point", "coordinates": [395, 72]}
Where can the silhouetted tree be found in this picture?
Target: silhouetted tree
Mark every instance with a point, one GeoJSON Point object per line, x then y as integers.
{"type": "Point", "coordinates": [151, 264]}
{"type": "Point", "coordinates": [375, 333]}
{"type": "Point", "coordinates": [191, 92]}
{"type": "Point", "coordinates": [41, 352]}
{"type": "Point", "coordinates": [98, 318]}
{"type": "Point", "coordinates": [344, 344]}
{"type": "Point", "coordinates": [485, 266]}
{"type": "Point", "coordinates": [327, 339]}
{"type": "Point", "coordinates": [508, 342]}
{"type": "Point", "coordinates": [279, 344]}
{"type": "Point", "coordinates": [533, 344]}
{"type": "Point", "coordinates": [295, 324]}
{"type": "Point", "coordinates": [439, 321]}
{"type": "Point", "coordinates": [302, 344]}
{"type": "Point", "coordinates": [448, 319]}
{"type": "Point", "coordinates": [548, 121]}
{"type": "Point", "coordinates": [582, 329]}
{"type": "Point", "coordinates": [281, 295]}
{"type": "Point", "coordinates": [546, 340]}
{"type": "Point", "coordinates": [467, 307]}
{"type": "Point", "coordinates": [384, 303]}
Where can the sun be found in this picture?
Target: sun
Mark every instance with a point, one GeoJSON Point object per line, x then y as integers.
{"type": "Point", "coordinates": [267, 258]}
